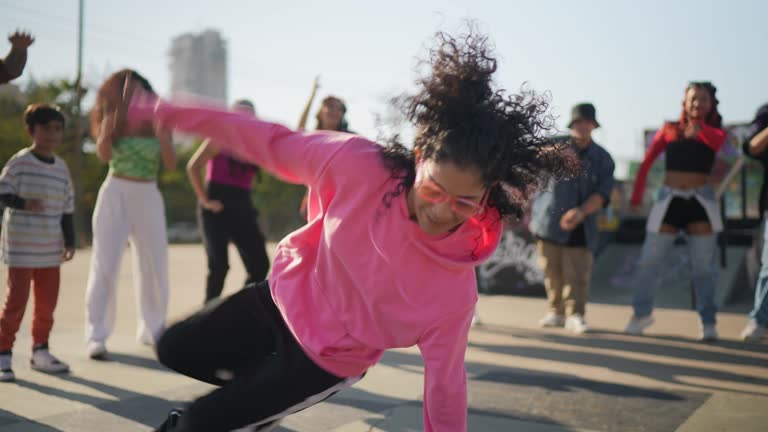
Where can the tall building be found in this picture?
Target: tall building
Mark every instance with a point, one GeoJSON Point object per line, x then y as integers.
{"type": "Point", "coordinates": [199, 65]}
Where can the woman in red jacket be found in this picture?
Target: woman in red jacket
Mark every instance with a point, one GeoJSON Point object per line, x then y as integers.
{"type": "Point", "coordinates": [685, 204]}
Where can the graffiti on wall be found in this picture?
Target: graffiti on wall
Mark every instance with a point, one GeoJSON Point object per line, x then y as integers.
{"type": "Point", "coordinates": [514, 266]}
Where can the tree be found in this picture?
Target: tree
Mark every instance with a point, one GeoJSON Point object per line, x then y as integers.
{"type": "Point", "coordinates": [278, 205]}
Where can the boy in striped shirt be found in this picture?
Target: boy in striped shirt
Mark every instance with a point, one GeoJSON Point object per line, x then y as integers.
{"type": "Point", "coordinates": [37, 236]}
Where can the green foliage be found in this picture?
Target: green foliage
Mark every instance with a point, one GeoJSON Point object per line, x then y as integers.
{"type": "Point", "coordinates": [13, 136]}
{"type": "Point", "coordinates": [278, 205]}
{"type": "Point", "coordinates": [180, 200]}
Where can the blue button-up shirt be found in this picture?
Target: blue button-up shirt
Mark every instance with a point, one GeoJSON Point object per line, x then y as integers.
{"type": "Point", "coordinates": [595, 176]}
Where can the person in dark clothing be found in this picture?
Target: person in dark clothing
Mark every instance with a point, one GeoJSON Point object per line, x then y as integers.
{"type": "Point", "coordinates": [226, 213]}
{"type": "Point", "coordinates": [757, 147]}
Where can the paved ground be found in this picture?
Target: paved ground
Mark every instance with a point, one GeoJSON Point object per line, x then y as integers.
{"type": "Point", "coordinates": [522, 378]}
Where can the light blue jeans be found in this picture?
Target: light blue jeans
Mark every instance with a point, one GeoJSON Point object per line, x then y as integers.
{"type": "Point", "coordinates": [759, 312]}
{"type": "Point", "coordinates": [702, 250]}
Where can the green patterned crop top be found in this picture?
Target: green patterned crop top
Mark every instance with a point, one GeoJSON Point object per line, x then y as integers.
{"type": "Point", "coordinates": [137, 157]}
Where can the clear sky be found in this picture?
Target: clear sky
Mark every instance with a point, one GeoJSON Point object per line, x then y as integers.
{"type": "Point", "coordinates": [631, 59]}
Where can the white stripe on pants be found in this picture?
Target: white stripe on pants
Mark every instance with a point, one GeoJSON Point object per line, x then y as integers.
{"type": "Point", "coordinates": [127, 209]}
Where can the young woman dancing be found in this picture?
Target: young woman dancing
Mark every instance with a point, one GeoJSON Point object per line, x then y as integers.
{"type": "Point", "coordinates": [686, 203]}
{"type": "Point", "coordinates": [387, 258]}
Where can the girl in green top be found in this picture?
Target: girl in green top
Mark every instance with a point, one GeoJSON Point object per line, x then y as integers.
{"type": "Point", "coordinates": [129, 206]}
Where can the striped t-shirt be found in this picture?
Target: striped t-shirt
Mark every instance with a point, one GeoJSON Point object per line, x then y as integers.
{"type": "Point", "coordinates": [35, 239]}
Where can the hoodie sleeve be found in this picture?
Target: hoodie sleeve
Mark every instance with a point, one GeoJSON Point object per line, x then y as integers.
{"type": "Point", "coordinates": [445, 378]}
{"type": "Point", "coordinates": [294, 157]}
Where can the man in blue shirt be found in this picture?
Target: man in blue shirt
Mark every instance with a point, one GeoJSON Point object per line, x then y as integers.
{"type": "Point", "coordinates": [564, 220]}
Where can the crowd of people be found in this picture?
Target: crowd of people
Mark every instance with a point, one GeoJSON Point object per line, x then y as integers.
{"type": "Point", "coordinates": [565, 224]}
{"type": "Point", "coordinates": [392, 236]}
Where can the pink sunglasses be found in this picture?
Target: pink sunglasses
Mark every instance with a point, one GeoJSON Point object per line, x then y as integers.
{"type": "Point", "coordinates": [432, 192]}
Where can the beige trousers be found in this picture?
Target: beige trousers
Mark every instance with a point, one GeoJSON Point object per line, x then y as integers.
{"type": "Point", "coordinates": [567, 274]}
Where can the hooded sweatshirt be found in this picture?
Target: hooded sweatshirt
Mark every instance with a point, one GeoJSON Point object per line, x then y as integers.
{"type": "Point", "coordinates": [361, 277]}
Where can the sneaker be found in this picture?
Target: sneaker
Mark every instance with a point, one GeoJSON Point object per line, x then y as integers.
{"type": "Point", "coordinates": [753, 332]}
{"type": "Point", "coordinates": [476, 322]}
{"type": "Point", "coordinates": [576, 324]}
{"type": "Point", "coordinates": [6, 373]}
{"type": "Point", "coordinates": [170, 423]}
{"type": "Point", "coordinates": [97, 350]}
{"type": "Point", "coordinates": [43, 361]}
{"type": "Point", "coordinates": [146, 339]}
{"type": "Point", "coordinates": [637, 325]}
{"type": "Point", "coordinates": [708, 333]}
{"type": "Point", "coordinates": [552, 320]}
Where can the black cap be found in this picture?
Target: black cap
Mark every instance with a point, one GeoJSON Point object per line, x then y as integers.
{"type": "Point", "coordinates": [583, 111]}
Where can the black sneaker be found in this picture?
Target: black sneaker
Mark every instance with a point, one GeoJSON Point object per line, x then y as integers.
{"type": "Point", "coordinates": [170, 423]}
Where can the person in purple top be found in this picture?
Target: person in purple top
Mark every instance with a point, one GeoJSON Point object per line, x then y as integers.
{"type": "Point", "coordinates": [226, 213]}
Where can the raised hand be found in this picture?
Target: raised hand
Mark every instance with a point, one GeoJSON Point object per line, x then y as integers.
{"type": "Point", "coordinates": [21, 40]}
{"type": "Point", "coordinates": [213, 205]}
{"type": "Point", "coordinates": [136, 104]}
{"type": "Point", "coordinates": [68, 253]}
{"type": "Point", "coordinates": [571, 219]}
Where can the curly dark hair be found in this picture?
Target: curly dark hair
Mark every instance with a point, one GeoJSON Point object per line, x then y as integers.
{"type": "Point", "coordinates": [461, 118]}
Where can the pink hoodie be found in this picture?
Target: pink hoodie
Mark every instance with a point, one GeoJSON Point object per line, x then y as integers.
{"type": "Point", "coordinates": [361, 277]}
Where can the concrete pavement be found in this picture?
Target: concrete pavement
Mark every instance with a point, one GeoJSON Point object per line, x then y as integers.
{"type": "Point", "coordinates": [521, 378]}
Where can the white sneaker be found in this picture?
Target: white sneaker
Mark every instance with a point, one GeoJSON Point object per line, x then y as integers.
{"type": "Point", "coordinates": [97, 350]}
{"type": "Point", "coordinates": [636, 325]}
{"type": "Point", "coordinates": [146, 339]}
{"type": "Point", "coordinates": [476, 322]}
{"type": "Point", "coordinates": [6, 373]}
{"type": "Point", "coordinates": [43, 361]}
{"type": "Point", "coordinates": [552, 320]}
{"type": "Point", "coordinates": [708, 333]}
{"type": "Point", "coordinates": [753, 332]}
{"type": "Point", "coordinates": [576, 324]}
